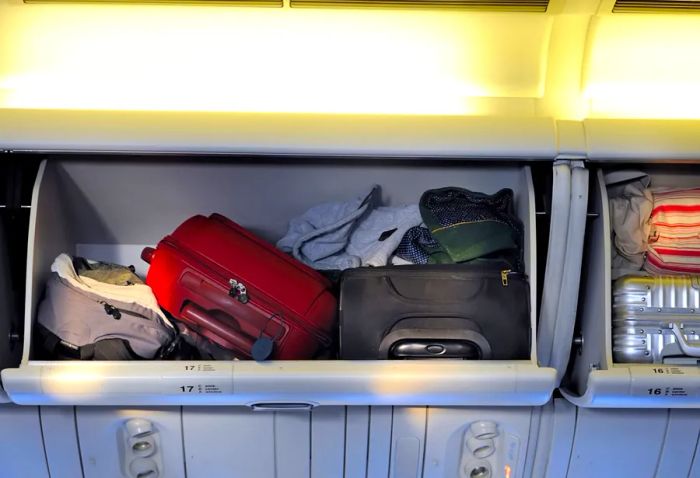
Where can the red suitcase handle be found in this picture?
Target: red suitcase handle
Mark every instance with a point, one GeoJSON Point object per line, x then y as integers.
{"type": "Point", "coordinates": [147, 254]}
{"type": "Point", "coordinates": [200, 317]}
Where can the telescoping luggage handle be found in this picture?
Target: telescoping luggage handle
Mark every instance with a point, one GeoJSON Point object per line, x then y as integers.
{"type": "Point", "coordinates": [200, 317]}
{"type": "Point", "coordinates": [691, 349]}
{"type": "Point", "coordinates": [258, 349]}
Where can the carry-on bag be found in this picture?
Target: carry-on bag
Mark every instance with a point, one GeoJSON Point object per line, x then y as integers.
{"type": "Point", "coordinates": [463, 311]}
{"type": "Point", "coordinates": [99, 311]}
{"type": "Point", "coordinates": [656, 319]}
{"type": "Point", "coordinates": [240, 292]}
{"type": "Point", "coordinates": [674, 233]}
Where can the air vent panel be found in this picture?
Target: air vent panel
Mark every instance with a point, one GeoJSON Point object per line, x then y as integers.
{"type": "Point", "coordinates": [657, 6]}
{"type": "Point", "coordinates": [497, 5]}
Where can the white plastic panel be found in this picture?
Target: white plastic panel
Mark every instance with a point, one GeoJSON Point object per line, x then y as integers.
{"type": "Point", "coordinates": [554, 439]}
{"type": "Point", "coordinates": [622, 442]}
{"type": "Point", "coordinates": [104, 441]}
{"type": "Point", "coordinates": [328, 441]}
{"type": "Point", "coordinates": [379, 448]}
{"type": "Point", "coordinates": [21, 446]}
{"type": "Point", "coordinates": [61, 442]}
{"type": "Point", "coordinates": [356, 441]}
{"type": "Point", "coordinates": [292, 449]}
{"type": "Point", "coordinates": [408, 442]}
{"type": "Point", "coordinates": [617, 443]}
{"type": "Point", "coordinates": [680, 444]}
{"type": "Point", "coordinates": [695, 468]}
{"type": "Point", "coordinates": [636, 141]}
{"type": "Point", "coordinates": [97, 218]}
{"type": "Point", "coordinates": [235, 441]}
{"type": "Point", "coordinates": [232, 441]}
{"type": "Point", "coordinates": [246, 133]}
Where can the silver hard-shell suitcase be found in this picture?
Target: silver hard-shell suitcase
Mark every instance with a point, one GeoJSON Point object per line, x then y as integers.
{"type": "Point", "coordinates": [656, 319]}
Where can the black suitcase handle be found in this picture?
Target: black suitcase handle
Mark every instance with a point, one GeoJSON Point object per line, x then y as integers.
{"type": "Point", "coordinates": [414, 349]}
{"type": "Point", "coordinates": [434, 343]}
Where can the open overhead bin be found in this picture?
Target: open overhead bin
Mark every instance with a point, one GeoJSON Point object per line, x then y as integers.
{"type": "Point", "coordinates": [626, 353]}
{"type": "Point", "coordinates": [110, 208]}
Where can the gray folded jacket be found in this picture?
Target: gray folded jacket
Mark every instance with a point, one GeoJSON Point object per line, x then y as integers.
{"type": "Point", "coordinates": [80, 318]}
{"type": "Point", "coordinates": [89, 319]}
{"type": "Point", "coordinates": [343, 235]}
{"type": "Point", "coordinates": [630, 203]}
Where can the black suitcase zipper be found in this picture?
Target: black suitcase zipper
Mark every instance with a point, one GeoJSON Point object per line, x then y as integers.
{"type": "Point", "coordinates": [421, 270]}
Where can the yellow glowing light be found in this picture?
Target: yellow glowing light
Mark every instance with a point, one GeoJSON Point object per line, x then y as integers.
{"type": "Point", "coordinates": [508, 471]}
{"type": "Point", "coordinates": [74, 379]}
{"type": "Point", "coordinates": [188, 58]}
{"type": "Point", "coordinates": [644, 67]}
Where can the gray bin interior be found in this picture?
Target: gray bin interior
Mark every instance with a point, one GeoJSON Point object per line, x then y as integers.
{"type": "Point", "coordinates": [110, 209]}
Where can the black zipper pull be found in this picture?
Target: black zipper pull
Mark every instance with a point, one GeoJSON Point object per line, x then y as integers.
{"type": "Point", "coordinates": [113, 311]}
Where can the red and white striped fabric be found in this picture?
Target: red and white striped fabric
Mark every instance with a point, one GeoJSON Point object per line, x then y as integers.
{"type": "Point", "coordinates": [674, 238]}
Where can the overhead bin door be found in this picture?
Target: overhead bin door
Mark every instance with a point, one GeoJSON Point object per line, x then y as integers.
{"type": "Point", "coordinates": [16, 182]}
{"type": "Point", "coordinates": [563, 272]}
{"type": "Point", "coordinates": [658, 155]}
{"type": "Point", "coordinates": [8, 349]}
{"type": "Point", "coordinates": [110, 208]}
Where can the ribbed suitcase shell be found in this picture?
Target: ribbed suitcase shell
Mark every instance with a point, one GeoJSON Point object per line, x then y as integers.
{"type": "Point", "coordinates": [644, 307]}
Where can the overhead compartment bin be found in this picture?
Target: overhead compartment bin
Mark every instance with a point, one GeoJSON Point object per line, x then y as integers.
{"type": "Point", "coordinates": [599, 374]}
{"type": "Point", "coordinates": [110, 208]}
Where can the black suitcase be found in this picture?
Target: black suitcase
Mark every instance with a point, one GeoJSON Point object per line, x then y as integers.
{"type": "Point", "coordinates": [457, 311]}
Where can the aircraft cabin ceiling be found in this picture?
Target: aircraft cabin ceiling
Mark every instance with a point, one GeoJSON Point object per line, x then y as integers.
{"type": "Point", "coordinates": [579, 62]}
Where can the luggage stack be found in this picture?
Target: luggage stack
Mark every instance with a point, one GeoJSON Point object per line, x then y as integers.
{"type": "Point", "coordinates": [260, 287]}
{"type": "Point", "coordinates": [439, 279]}
{"type": "Point", "coordinates": [656, 259]}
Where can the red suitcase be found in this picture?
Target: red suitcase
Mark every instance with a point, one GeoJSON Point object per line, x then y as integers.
{"type": "Point", "coordinates": [241, 292]}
